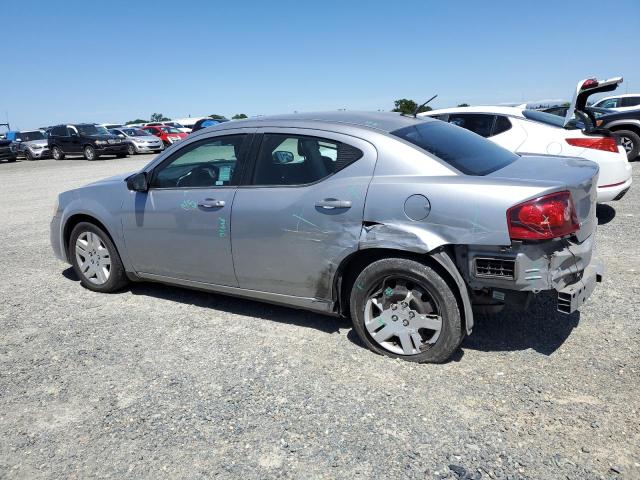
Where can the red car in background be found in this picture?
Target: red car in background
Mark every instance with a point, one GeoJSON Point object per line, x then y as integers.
{"type": "Point", "coordinates": [168, 135]}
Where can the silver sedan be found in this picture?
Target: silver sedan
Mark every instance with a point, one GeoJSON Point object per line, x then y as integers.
{"type": "Point", "coordinates": [139, 141]}
{"type": "Point", "coordinates": [402, 224]}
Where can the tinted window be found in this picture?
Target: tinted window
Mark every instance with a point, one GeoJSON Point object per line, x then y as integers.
{"type": "Point", "coordinates": [30, 136]}
{"type": "Point", "coordinates": [299, 160]}
{"type": "Point", "coordinates": [631, 101]}
{"type": "Point", "coordinates": [502, 125]}
{"type": "Point", "coordinates": [461, 149]}
{"type": "Point", "coordinates": [479, 123]}
{"type": "Point", "coordinates": [211, 163]}
{"type": "Point", "coordinates": [60, 131]}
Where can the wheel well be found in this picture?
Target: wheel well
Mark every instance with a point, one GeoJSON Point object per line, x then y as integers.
{"type": "Point", "coordinates": [351, 267]}
{"type": "Point", "coordinates": [75, 220]}
{"type": "Point", "coordinates": [631, 127]}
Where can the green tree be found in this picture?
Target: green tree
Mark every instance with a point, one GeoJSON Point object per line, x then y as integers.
{"type": "Point", "coordinates": [464, 105]}
{"type": "Point", "coordinates": [407, 107]}
{"type": "Point", "coordinates": [239, 116]}
{"type": "Point", "coordinates": [216, 117]}
{"type": "Point", "coordinates": [137, 120]}
{"type": "Point", "coordinates": [158, 117]}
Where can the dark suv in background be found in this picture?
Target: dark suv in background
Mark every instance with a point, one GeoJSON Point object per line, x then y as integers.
{"type": "Point", "coordinates": [86, 139]}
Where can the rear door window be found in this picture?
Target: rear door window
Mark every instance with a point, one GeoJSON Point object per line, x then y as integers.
{"type": "Point", "coordinates": [610, 103]}
{"type": "Point", "coordinates": [631, 101]}
{"type": "Point", "coordinates": [479, 123]}
{"type": "Point", "coordinates": [501, 125]}
{"type": "Point", "coordinates": [464, 151]}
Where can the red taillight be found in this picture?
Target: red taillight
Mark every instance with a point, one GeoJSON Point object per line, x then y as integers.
{"type": "Point", "coordinates": [608, 144]}
{"type": "Point", "coordinates": [542, 218]}
{"type": "Point", "coordinates": [589, 83]}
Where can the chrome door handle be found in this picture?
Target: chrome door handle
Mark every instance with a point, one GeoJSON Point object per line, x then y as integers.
{"type": "Point", "coordinates": [330, 203]}
{"type": "Point", "coordinates": [211, 203]}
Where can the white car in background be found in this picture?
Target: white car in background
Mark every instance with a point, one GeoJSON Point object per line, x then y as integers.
{"type": "Point", "coordinates": [628, 101]}
{"type": "Point", "coordinates": [528, 132]}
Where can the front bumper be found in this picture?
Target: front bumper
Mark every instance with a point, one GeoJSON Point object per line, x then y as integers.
{"type": "Point", "coordinates": [111, 149]}
{"type": "Point", "coordinates": [43, 153]}
{"type": "Point", "coordinates": [148, 147]}
{"type": "Point", "coordinates": [55, 238]}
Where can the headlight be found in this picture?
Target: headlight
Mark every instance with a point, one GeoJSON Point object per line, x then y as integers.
{"type": "Point", "coordinates": [36, 147]}
{"type": "Point", "coordinates": [101, 142]}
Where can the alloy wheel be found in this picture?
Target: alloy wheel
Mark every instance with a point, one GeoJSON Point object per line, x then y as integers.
{"type": "Point", "coordinates": [89, 153]}
{"type": "Point", "coordinates": [402, 316]}
{"type": "Point", "coordinates": [57, 154]}
{"type": "Point", "coordinates": [93, 258]}
{"type": "Point", "coordinates": [627, 144]}
{"type": "Point", "coordinates": [131, 149]}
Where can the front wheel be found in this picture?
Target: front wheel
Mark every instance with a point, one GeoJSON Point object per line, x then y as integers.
{"type": "Point", "coordinates": [28, 155]}
{"type": "Point", "coordinates": [89, 152]}
{"type": "Point", "coordinates": [404, 309]}
{"type": "Point", "coordinates": [131, 149]}
{"type": "Point", "coordinates": [630, 141]}
{"type": "Point", "coordinates": [57, 153]}
{"type": "Point", "coordinates": [95, 259]}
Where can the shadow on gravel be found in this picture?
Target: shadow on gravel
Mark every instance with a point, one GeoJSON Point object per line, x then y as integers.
{"type": "Point", "coordinates": [605, 213]}
{"type": "Point", "coordinates": [540, 328]}
{"type": "Point", "coordinates": [238, 306]}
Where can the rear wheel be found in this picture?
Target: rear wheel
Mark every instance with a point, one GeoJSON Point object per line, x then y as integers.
{"type": "Point", "coordinates": [131, 149]}
{"type": "Point", "coordinates": [95, 259]}
{"type": "Point", "coordinates": [57, 153]}
{"type": "Point", "coordinates": [404, 309]}
{"type": "Point", "coordinates": [630, 141]}
{"type": "Point", "coordinates": [89, 152]}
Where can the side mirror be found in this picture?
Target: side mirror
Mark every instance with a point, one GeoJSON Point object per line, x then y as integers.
{"type": "Point", "coordinates": [120, 135]}
{"type": "Point", "coordinates": [282, 157]}
{"type": "Point", "coordinates": [138, 182]}
{"type": "Point", "coordinates": [18, 140]}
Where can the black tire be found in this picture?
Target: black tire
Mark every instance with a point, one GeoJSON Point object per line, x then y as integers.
{"type": "Point", "coordinates": [28, 156]}
{"type": "Point", "coordinates": [121, 155]}
{"type": "Point", "coordinates": [632, 139]}
{"type": "Point", "coordinates": [89, 153]}
{"type": "Point", "coordinates": [451, 333]}
{"type": "Point", "coordinates": [57, 153]}
{"type": "Point", "coordinates": [131, 149]}
{"type": "Point", "coordinates": [117, 278]}
{"type": "Point", "coordinates": [12, 159]}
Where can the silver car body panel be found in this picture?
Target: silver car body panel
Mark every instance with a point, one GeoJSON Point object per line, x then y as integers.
{"type": "Point", "coordinates": [277, 246]}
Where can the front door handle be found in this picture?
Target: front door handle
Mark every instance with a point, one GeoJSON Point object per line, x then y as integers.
{"type": "Point", "coordinates": [211, 203]}
{"type": "Point", "coordinates": [331, 203]}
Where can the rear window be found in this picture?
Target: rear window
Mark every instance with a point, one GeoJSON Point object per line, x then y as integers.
{"type": "Point", "coordinates": [553, 120]}
{"type": "Point", "coordinates": [465, 151]}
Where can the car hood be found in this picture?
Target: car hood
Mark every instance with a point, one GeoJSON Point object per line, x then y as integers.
{"type": "Point", "coordinates": [111, 180]}
{"type": "Point", "coordinates": [42, 142]}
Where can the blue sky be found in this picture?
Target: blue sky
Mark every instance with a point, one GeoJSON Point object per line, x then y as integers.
{"type": "Point", "coordinates": [116, 61]}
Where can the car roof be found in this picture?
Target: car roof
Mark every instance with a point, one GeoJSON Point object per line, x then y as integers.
{"type": "Point", "coordinates": [382, 121]}
{"type": "Point", "coordinates": [495, 109]}
{"type": "Point", "coordinates": [622, 95]}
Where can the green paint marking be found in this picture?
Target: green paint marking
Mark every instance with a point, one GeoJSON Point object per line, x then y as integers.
{"type": "Point", "coordinates": [382, 324]}
{"type": "Point", "coordinates": [388, 292]}
{"type": "Point", "coordinates": [222, 227]}
{"type": "Point", "coordinates": [360, 287]}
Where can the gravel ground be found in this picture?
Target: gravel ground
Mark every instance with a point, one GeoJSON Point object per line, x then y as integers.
{"type": "Point", "coordinates": [162, 382]}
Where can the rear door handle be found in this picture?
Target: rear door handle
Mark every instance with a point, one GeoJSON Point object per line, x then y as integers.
{"type": "Point", "coordinates": [331, 203]}
{"type": "Point", "coordinates": [211, 203]}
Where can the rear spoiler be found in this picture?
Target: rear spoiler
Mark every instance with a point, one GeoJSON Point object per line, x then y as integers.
{"type": "Point", "coordinates": [584, 90]}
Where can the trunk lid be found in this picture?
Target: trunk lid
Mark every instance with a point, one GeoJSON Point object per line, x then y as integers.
{"type": "Point", "coordinates": [584, 90]}
{"type": "Point", "coordinates": [578, 176]}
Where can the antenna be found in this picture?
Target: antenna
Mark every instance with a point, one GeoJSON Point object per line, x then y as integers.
{"type": "Point", "coordinates": [415, 112]}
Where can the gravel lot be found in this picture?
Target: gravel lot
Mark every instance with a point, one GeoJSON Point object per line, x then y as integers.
{"type": "Point", "coordinates": [162, 382]}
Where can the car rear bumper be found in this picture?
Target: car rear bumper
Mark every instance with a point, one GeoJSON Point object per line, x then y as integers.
{"type": "Point", "coordinates": [568, 267]}
{"type": "Point", "coordinates": [610, 193]}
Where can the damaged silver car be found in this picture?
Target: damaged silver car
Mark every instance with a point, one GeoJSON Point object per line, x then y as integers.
{"type": "Point", "coordinates": [404, 224]}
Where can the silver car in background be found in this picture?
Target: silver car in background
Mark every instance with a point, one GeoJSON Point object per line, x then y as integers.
{"type": "Point", "coordinates": [32, 145]}
{"type": "Point", "coordinates": [402, 224]}
{"type": "Point", "coordinates": [139, 141]}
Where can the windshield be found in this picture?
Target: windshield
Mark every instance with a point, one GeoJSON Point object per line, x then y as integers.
{"type": "Point", "coordinates": [135, 132]}
{"type": "Point", "coordinates": [170, 130]}
{"type": "Point", "coordinates": [176, 124]}
{"type": "Point", "coordinates": [550, 119]}
{"type": "Point", "coordinates": [467, 152]}
{"type": "Point", "coordinates": [30, 136]}
{"type": "Point", "coordinates": [92, 130]}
